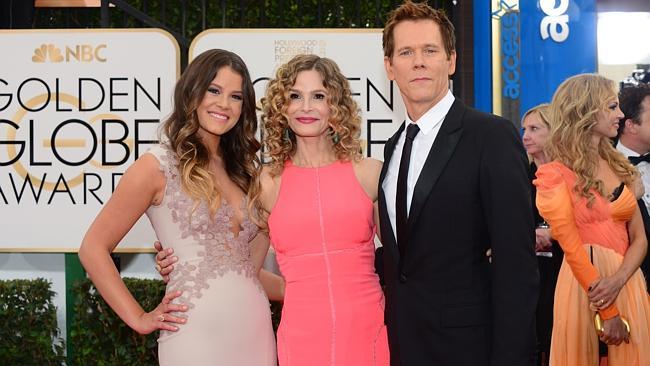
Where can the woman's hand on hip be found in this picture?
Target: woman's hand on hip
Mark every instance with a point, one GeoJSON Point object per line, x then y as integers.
{"type": "Point", "coordinates": [164, 261]}
{"type": "Point", "coordinates": [161, 317]}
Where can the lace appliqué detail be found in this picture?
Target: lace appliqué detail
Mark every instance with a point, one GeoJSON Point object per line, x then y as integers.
{"type": "Point", "coordinates": [222, 251]}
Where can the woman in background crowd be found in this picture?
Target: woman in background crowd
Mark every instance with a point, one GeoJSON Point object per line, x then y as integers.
{"type": "Point", "coordinates": [587, 196]}
{"type": "Point", "coordinates": [536, 127]}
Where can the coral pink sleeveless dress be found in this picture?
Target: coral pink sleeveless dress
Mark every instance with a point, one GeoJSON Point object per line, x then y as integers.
{"type": "Point", "coordinates": [322, 230]}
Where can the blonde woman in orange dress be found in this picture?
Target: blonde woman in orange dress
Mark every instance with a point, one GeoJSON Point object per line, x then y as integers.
{"type": "Point", "coordinates": [587, 196]}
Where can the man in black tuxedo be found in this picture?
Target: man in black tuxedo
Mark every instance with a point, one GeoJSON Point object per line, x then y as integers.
{"type": "Point", "coordinates": [634, 143]}
{"type": "Point", "coordinates": [454, 184]}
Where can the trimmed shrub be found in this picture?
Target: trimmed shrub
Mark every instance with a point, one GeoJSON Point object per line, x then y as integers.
{"type": "Point", "coordinates": [99, 337]}
{"type": "Point", "coordinates": [29, 334]}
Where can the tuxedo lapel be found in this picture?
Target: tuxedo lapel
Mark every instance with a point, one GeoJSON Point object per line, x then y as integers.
{"type": "Point", "coordinates": [389, 148]}
{"type": "Point", "coordinates": [441, 151]}
{"type": "Point", "coordinates": [388, 241]}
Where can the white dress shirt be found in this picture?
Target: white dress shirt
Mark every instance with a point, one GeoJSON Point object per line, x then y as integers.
{"type": "Point", "coordinates": [429, 125]}
{"type": "Point", "coordinates": [644, 169]}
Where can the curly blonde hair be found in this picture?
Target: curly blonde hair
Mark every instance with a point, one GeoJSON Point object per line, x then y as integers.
{"type": "Point", "coordinates": [238, 147]}
{"type": "Point", "coordinates": [575, 109]}
{"type": "Point", "coordinates": [345, 122]}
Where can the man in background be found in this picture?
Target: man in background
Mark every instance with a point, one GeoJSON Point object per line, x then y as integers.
{"type": "Point", "coordinates": [634, 143]}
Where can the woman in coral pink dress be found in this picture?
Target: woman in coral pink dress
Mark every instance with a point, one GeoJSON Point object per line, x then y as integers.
{"type": "Point", "coordinates": [318, 194]}
{"type": "Point", "coordinates": [586, 196]}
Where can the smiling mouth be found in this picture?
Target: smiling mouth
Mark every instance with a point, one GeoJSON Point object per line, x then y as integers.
{"type": "Point", "coordinates": [306, 120]}
{"type": "Point", "coordinates": [220, 116]}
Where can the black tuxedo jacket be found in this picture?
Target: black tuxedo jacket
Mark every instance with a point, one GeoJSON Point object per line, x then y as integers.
{"type": "Point", "coordinates": [446, 304]}
{"type": "Point", "coordinates": [645, 265]}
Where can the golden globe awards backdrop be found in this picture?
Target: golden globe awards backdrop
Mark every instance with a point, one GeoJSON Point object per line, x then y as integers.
{"type": "Point", "coordinates": [358, 52]}
{"type": "Point", "coordinates": [77, 107]}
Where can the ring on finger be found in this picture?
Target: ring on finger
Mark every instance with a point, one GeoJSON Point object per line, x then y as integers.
{"type": "Point", "coordinates": [601, 302]}
{"type": "Point", "coordinates": [158, 267]}
{"type": "Point", "coordinates": [161, 317]}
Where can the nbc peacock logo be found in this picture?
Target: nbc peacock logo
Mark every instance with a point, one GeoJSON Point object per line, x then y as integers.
{"type": "Point", "coordinates": [45, 51]}
{"type": "Point", "coordinates": [75, 53]}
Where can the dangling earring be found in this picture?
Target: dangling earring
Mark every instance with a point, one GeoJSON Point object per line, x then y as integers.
{"type": "Point", "coordinates": [287, 135]}
{"type": "Point", "coordinates": [336, 138]}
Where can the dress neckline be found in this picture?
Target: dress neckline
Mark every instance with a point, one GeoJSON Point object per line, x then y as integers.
{"type": "Point", "coordinates": [290, 163]}
{"type": "Point", "coordinates": [610, 199]}
{"type": "Point", "coordinates": [616, 193]}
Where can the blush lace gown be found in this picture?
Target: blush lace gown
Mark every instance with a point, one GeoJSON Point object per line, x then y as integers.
{"type": "Point", "coordinates": [228, 321]}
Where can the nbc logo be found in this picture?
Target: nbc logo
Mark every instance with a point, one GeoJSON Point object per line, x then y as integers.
{"type": "Point", "coordinates": [79, 53]}
{"type": "Point", "coordinates": [41, 53]}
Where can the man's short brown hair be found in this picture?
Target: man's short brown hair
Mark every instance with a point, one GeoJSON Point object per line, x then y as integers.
{"type": "Point", "coordinates": [418, 11]}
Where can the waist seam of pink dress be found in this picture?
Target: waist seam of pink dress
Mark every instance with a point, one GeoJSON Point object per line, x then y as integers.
{"type": "Point", "coordinates": [335, 251]}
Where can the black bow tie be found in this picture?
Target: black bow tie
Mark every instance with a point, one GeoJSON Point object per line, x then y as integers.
{"type": "Point", "coordinates": [635, 160]}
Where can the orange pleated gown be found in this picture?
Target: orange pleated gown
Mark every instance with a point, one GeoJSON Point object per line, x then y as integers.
{"type": "Point", "coordinates": [594, 240]}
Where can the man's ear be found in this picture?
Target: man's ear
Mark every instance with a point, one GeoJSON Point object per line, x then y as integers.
{"type": "Point", "coordinates": [631, 126]}
{"type": "Point", "coordinates": [388, 65]}
{"type": "Point", "coordinates": [452, 63]}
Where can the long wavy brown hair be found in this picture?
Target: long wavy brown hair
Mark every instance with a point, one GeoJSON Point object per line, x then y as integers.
{"type": "Point", "coordinates": [238, 147]}
{"type": "Point", "coordinates": [345, 121]}
{"type": "Point", "coordinates": [575, 109]}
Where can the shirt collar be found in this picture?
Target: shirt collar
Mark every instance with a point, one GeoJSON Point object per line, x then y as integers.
{"type": "Point", "coordinates": [626, 150]}
{"type": "Point", "coordinates": [435, 115]}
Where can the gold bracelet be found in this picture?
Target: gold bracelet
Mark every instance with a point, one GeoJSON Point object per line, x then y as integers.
{"type": "Point", "coordinates": [599, 324]}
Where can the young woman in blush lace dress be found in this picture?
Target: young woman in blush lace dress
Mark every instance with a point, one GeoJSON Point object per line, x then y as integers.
{"type": "Point", "coordinates": [193, 189]}
{"type": "Point", "coordinates": [587, 196]}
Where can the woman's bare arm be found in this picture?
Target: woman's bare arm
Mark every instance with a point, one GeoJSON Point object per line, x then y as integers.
{"type": "Point", "coordinates": [135, 193]}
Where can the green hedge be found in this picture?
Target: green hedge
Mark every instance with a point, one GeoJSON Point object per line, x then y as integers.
{"type": "Point", "coordinates": [99, 337]}
{"type": "Point", "coordinates": [28, 328]}
{"type": "Point", "coordinates": [29, 334]}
